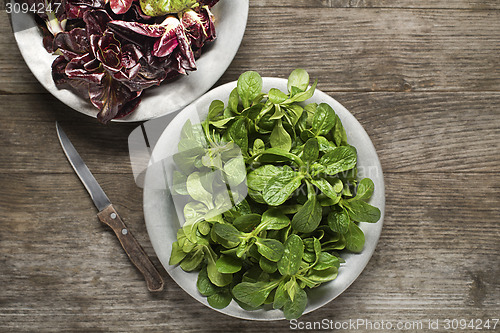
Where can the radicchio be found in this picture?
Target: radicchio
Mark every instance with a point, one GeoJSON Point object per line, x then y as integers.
{"type": "Point", "coordinates": [112, 51]}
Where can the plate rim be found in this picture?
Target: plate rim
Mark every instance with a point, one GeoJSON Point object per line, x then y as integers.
{"type": "Point", "coordinates": [367, 252]}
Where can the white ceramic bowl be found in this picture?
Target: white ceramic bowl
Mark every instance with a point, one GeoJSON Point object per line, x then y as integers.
{"type": "Point", "coordinates": [231, 18]}
{"type": "Point", "coordinates": [163, 222]}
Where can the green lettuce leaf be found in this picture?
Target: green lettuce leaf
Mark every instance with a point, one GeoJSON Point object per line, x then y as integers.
{"type": "Point", "coordinates": [163, 7]}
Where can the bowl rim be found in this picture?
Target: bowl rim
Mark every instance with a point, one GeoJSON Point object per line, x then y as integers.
{"type": "Point", "coordinates": [374, 228]}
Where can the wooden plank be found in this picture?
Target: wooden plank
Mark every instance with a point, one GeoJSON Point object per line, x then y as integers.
{"type": "Point", "coordinates": [438, 256]}
{"type": "Point", "coordinates": [422, 77]}
{"type": "Point", "coordinates": [348, 49]}
{"type": "Point", "coordinates": [424, 4]}
{"type": "Point", "coordinates": [295, 3]}
{"type": "Point", "coordinates": [430, 132]}
{"type": "Point", "coordinates": [376, 49]}
{"type": "Point", "coordinates": [29, 140]}
{"type": "Point", "coordinates": [450, 4]}
{"type": "Point", "coordinates": [412, 132]}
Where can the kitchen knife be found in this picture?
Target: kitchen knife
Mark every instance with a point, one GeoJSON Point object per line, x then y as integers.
{"type": "Point", "coordinates": [108, 215]}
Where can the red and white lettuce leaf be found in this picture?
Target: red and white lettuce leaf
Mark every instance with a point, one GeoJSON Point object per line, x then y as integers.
{"type": "Point", "coordinates": [199, 26]}
{"type": "Point", "coordinates": [152, 72]}
{"type": "Point", "coordinates": [58, 71]}
{"type": "Point", "coordinates": [128, 108]}
{"type": "Point", "coordinates": [185, 54]}
{"type": "Point", "coordinates": [167, 43]}
{"type": "Point", "coordinates": [110, 97]}
{"type": "Point", "coordinates": [120, 6]}
{"type": "Point", "coordinates": [122, 62]}
{"type": "Point", "coordinates": [62, 81]}
{"type": "Point", "coordinates": [96, 22]}
{"type": "Point", "coordinates": [85, 68]}
{"type": "Point", "coordinates": [68, 55]}
{"type": "Point", "coordinates": [148, 30]}
{"type": "Point", "coordinates": [77, 8]}
{"type": "Point", "coordinates": [75, 40]}
{"type": "Point", "coordinates": [130, 56]}
{"type": "Point", "coordinates": [109, 52]}
{"type": "Point", "coordinates": [147, 76]}
{"type": "Point", "coordinates": [170, 40]}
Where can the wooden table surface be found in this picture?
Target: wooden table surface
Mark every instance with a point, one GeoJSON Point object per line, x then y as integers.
{"type": "Point", "coordinates": [422, 77]}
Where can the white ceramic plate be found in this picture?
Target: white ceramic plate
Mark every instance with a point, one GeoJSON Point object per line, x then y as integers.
{"type": "Point", "coordinates": [231, 18]}
{"type": "Point", "coordinates": [162, 221]}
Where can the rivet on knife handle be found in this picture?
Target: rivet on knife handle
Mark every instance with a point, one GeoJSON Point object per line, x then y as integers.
{"type": "Point", "coordinates": [133, 249]}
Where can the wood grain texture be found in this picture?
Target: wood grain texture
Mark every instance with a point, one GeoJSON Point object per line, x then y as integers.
{"type": "Point", "coordinates": [349, 49]}
{"type": "Point", "coordinates": [428, 4]}
{"type": "Point", "coordinates": [376, 50]}
{"type": "Point", "coordinates": [412, 132]}
{"type": "Point", "coordinates": [64, 271]}
{"type": "Point", "coordinates": [422, 77]}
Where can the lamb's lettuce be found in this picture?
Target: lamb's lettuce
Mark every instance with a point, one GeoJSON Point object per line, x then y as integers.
{"type": "Point", "coordinates": [304, 201]}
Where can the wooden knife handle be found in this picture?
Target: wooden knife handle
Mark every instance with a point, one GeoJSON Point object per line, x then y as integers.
{"type": "Point", "coordinates": [133, 249]}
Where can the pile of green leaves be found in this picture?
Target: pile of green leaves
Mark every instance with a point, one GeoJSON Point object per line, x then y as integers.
{"type": "Point", "coordinates": [271, 197]}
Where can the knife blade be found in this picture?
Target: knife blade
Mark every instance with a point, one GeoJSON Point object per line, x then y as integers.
{"type": "Point", "coordinates": [108, 215]}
